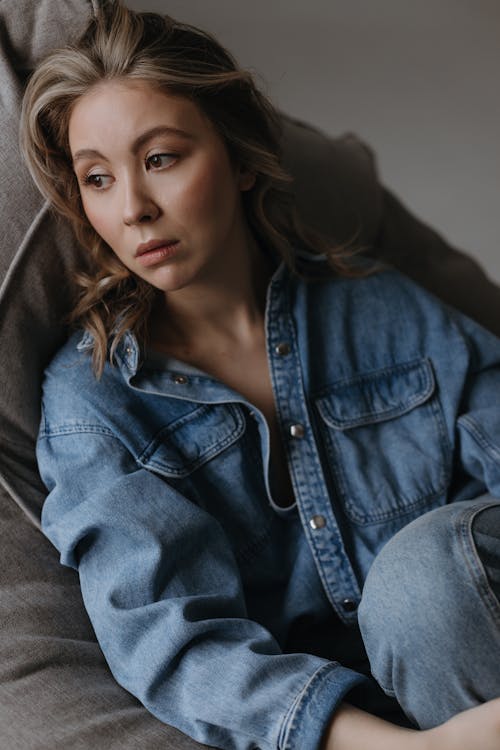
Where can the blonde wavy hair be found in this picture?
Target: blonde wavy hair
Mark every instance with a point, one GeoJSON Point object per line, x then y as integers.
{"type": "Point", "coordinates": [181, 59]}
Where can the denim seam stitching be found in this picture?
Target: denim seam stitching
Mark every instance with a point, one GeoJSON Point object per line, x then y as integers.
{"type": "Point", "coordinates": [422, 365]}
{"type": "Point", "coordinates": [167, 470]}
{"type": "Point", "coordinates": [335, 450]}
{"type": "Point", "coordinates": [173, 426]}
{"type": "Point", "coordinates": [77, 428]}
{"type": "Point", "coordinates": [419, 363]}
{"type": "Point", "coordinates": [378, 415]}
{"type": "Point", "coordinates": [475, 431]}
{"type": "Point", "coordinates": [290, 719]}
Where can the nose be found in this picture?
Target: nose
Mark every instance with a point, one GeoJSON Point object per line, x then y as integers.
{"type": "Point", "coordinates": [139, 206]}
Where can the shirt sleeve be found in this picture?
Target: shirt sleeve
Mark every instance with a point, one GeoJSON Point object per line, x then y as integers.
{"type": "Point", "coordinates": [163, 592]}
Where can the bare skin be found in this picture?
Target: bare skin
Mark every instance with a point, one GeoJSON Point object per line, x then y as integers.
{"type": "Point", "coordinates": [235, 355]}
{"type": "Point", "coordinates": [477, 728]}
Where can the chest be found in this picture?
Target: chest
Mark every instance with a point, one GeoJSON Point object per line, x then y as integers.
{"type": "Point", "coordinates": [246, 371]}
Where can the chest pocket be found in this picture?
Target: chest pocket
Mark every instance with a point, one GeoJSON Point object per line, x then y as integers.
{"type": "Point", "coordinates": [189, 442]}
{"type": "Point", "coordinates": [386, 440]}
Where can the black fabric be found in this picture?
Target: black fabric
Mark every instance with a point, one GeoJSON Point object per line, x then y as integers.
{"type": "Point", "coordinates": [486, 535]}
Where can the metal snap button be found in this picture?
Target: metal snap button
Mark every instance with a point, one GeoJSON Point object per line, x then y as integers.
{"type": "Point", "coordinates": [180, 379]}
{"type": "Point", "coordinates": [282, 349]}
{"type": "Point", "coordinates": [297, 430]}
{"type": "Point", "coordinates": [317, 522]}
{"type": "Point", "coordinates": [348, 605]}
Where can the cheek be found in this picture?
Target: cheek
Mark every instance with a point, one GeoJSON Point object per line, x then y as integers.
{"type": "Point", "coordinates": [209, 196]}
{"type": "Point", "coordinates": [99, 219]}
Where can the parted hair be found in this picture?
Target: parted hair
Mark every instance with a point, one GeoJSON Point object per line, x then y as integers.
{"type": "Point", "coordinates": [179, 59]}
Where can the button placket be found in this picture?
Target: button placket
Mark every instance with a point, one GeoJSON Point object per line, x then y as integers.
{"type": "Point", "coordinates": [313, 500]}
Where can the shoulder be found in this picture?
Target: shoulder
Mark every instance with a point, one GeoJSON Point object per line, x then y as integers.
{"type": "Point", "coordinates": [405, 300]}
{"type": "Point", "coordinates": [71, 391]}
{"type": "Point", "coordinates": [387, 285]}
{"type": "Point", "coordinates": [385, 293]}
{"type": "Point", "coordinates": [386, 314]}
{"type": "Point", "coordinates": [71, 367]}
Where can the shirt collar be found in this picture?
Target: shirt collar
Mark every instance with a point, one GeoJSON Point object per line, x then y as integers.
{"type": "Point", "coordinates": [127, 354]}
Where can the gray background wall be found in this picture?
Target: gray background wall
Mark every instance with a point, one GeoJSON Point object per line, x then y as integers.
{"type": "Point", "coordinates": [418, 80]}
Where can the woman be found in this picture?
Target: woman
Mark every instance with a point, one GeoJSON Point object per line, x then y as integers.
{"type": "Point", "coordinates": [245, 416]}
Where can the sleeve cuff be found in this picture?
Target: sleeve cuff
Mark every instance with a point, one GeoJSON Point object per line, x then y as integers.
{"type": "Point", "coordinates": [308, 718]}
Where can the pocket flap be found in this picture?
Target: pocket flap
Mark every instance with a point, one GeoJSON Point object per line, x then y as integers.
{"type": "Point", "coordinates": [183, 446]}
{"type": "Point", "coordinates": [378, 395]}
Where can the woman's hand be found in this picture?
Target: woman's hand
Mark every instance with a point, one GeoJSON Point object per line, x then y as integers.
{"type": "Point", "coordinates": [477, 728]}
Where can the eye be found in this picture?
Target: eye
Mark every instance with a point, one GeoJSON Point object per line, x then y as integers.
{"type": "Point", "coordinates": [98, 181]}
{"type": "Point", "coordinates": [159, 161]}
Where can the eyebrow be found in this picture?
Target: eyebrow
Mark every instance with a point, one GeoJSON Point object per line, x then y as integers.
{"type": "Point", "coordinates": [88, 153]}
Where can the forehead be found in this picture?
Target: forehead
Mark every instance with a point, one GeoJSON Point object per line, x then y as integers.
{"type": "Point", "coordinates": [121, 109]}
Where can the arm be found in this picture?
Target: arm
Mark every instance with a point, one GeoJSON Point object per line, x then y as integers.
{"type": "Point", "coordinates": [165, 598]}
{"type": "Point", "coordinates": [352, 729]}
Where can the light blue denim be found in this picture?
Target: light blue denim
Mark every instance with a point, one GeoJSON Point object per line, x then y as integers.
{"type": "Point", "coordinates": [430, 614]}
{"type": "Point", "coordinates": [204, 594]}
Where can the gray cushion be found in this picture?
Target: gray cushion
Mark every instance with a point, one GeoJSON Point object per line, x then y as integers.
{"type": "Point", "coordinates": [37, 253]}
{"type": "Point", "coordinates": [56, 692]}
{"type": "Point", "coordinates": [31, 29]}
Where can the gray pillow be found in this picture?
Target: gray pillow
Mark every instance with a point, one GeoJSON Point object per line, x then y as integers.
{"type": "Point", "coordinates": [37, 252]}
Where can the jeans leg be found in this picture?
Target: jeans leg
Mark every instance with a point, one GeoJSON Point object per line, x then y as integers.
{"type": "Point", "coordinates": [430, 613]}
{"type": "Point", "coordinates": [486, 534]}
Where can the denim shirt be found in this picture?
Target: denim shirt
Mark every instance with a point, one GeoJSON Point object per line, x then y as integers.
{"type": "Point", "coordinates": [159, 494]}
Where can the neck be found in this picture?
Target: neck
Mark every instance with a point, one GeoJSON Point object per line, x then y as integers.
{"type": "Point", "coordinates": [230, 306]}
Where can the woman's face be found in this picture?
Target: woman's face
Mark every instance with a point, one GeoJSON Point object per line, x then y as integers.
{"type": "Point", "coordinates": [156, 183]}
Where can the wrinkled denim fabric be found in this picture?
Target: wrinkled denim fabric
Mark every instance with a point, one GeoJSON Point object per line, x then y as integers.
{"type": "Point", "coordinates": [202, 591]}
{"type": "Point", "coordinates": [430, 617]}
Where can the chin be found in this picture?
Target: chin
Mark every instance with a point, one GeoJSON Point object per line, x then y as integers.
{"type": "Point", "coordinates": [174, 283]}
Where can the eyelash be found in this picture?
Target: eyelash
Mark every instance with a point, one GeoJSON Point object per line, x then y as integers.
{"type": "Point", "coordinates": [88, 178]}
{"type": "Point", "coordinates": [158, 155]}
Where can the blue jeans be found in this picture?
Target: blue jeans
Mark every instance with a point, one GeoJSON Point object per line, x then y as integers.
{"type": "Point", "coordinates": [430, 613]}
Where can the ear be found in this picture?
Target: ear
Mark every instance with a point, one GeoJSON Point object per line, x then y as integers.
{"type": "Point", "coordinates": [246, 179]}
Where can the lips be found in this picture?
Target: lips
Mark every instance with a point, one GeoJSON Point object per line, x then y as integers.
{"type": "Point", "coordinates": [155, 251]}
{"type": "Point", "coordinates": [146, 247]}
